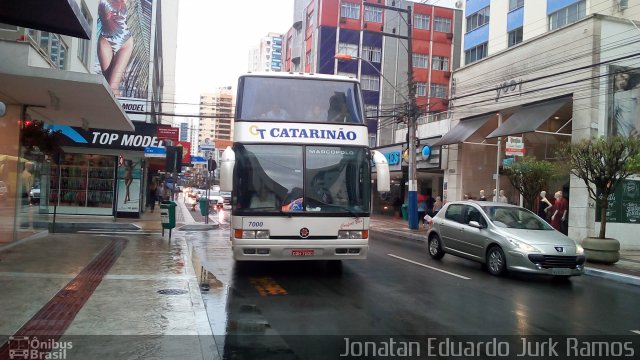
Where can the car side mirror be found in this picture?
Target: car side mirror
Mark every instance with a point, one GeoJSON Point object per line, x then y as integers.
{"type": "Point", "coordinates": [476, 224]}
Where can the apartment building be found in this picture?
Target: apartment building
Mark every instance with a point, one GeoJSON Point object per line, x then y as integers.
{"type": "Point", "coordinates": [267, 56]}
{"type": "Point", "coordinates": [540, 74]}
{"type": "Point", "coordinates": [216, 122]}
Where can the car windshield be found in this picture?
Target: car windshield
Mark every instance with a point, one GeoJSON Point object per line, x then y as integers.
{"type": "Point", "coordinates": [515, 218]}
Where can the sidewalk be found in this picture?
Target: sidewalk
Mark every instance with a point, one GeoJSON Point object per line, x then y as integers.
{"type": "Point", "coordinates": [121, 290]}
{"type": "Point", "coordinates": [627, 270]}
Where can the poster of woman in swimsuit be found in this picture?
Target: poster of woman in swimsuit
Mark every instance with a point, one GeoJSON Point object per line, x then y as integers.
{"type": "Point", "coordinates": [124, 46]}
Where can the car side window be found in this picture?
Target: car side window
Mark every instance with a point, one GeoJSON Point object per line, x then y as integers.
{"type": "Point", "coordinates": [454, 213]}
{"type": "Point", "coordinates": [473, 214]}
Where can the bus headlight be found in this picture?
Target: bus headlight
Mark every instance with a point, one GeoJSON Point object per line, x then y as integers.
{"type": "Point", "coordinates": [353, 234]}
{"type": "Point", "coordinates": [252, 234]}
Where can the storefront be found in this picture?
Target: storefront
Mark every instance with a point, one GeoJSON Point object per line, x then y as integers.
{"type": "Point", "coordinates": [101, 172]}
{"type": "Point", "coordinates": [429, 175]}
{"type": "Point", "coordinates": [537, 98]}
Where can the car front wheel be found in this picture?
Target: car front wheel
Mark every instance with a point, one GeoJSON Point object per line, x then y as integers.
{"type": "Point", "coordinates": [496, 262]}
{"type": "Point", "coordinates": [435, 248]}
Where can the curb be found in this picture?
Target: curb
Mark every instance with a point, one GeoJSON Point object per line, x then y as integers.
{"type": "Point", "coordinates": [610, 275]}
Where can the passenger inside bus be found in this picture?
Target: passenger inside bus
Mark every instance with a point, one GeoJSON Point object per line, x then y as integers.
{"type": "Point", "coordinates": [338, 111]}
{"type": "Point", "coordinates": [264, 198]}
{"type": "Point", "coordinates": [275, 112]}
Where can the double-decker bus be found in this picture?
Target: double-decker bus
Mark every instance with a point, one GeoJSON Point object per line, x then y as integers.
{"type": "Point", "coordinates": [300, 169]}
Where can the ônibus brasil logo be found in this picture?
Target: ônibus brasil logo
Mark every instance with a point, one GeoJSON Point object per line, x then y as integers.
{"type": "Point", "coordinates": [32, 348]}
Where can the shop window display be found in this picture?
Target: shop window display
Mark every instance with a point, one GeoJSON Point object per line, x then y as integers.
{"type": "Point", "coordinates": [82, 182]}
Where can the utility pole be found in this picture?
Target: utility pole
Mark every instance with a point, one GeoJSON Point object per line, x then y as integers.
{"type": "Point", "coordinates": [411, 128]}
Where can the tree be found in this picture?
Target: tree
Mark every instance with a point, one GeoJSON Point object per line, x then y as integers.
{"type": "Point", "coordinates": [602, 163]}
{"type": "Point", "coordinates": [37, 138]}
{"type": "Point", "coordinates": [530, 176]}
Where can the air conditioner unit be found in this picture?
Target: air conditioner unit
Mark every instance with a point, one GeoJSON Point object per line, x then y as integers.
{"type": "Point", "coordinates": [622, 4]}
{"type": "Point", "coordinates": [343, 20]}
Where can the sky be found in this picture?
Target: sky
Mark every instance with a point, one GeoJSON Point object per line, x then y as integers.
{"type": "Point", "coordinates": [214, 39]}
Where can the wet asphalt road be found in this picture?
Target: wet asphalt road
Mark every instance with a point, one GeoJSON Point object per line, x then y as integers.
{"type": "Point", "coordinates": [398, 291]}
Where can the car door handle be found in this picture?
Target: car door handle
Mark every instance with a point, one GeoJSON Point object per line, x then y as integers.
{"type": "Point", "coordinates": [461, 229]}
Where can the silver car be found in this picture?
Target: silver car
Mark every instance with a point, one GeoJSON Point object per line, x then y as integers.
{"type": "Point", "coordinates": [503, 237]}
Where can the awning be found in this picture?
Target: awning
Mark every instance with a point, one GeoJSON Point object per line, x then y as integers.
{"type": "Point", "coordinates": [62, 17]}
{"type": "Point", "coordinates": [63, 97]}
{"type": "Point", "coordinates": [463, 130]}
{"type": "Point", "coordinates": [529, 118]}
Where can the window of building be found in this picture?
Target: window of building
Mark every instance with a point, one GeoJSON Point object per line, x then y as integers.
{"type": "Point", "coordinates": [310, 19]}
{"type": "Point", "coordinates": [52, 46]}
{"type": "Point", "coordinates": [515, 4]}
{"type": "Point", "coordinates": [372, 13]}
{"type": "Point", "coordinates": [438, 91]}
{"type": "Point", "coordinates": [372, 140]}
{"type": "Point", "coordinates": [421, 21]}
{"type": "Point", "coordinates": [420, 61]}
{"type": "Point", "coordinates": [350, 10]}
{"type": "Point", "coordinates": [421, 89]}
{"type": "Point", "coordinates": [568, 15]}
{"type": "Point", "coordinates": [478, 19]}
{"type": "Point", "coordinates": [475, 53]}
{"type": "Point", "coordinates": [440, 63]}
{"type": "Point", "coordinates": [370, 82]}
{"type": "Point", "coordinates": [349, 49]}
{"type": "Point", "coordinates": [442, 24]}
{"type": "Point", "coordinates": [371, 111]}
{"type": "Point", "coordinates": [347, 74]}
{"type": "Point", "coordinates": [84, 45]}
{"type": "Point", "coordinates": [373, 54]}
{"type": "Point", "coordinates": [515, 36]}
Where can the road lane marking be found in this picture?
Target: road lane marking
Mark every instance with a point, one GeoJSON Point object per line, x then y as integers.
{"type": "Point", "coordinates": [429, 267]}
{"type": "Point", "coordinates": [636, 331]}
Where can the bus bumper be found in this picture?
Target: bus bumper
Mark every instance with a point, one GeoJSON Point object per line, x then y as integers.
{"type": "Point", "coordinates": [270, 250]}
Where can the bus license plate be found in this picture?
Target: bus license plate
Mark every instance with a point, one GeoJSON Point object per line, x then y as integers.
{"type": "Point", "coordinates": [560, 271]}
{"type": "Point", "coordinates": [304, 252]}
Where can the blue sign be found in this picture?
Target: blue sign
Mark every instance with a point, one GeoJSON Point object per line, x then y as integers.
{"type": "Point", "coordinates": [155, 151]}
{"type": "Point", "coordinates": [393, 158]}
{"type": "Point", "coordinates": [426, 151]}
{"type": "Point", "coordinates": [198, 160]}
{"type": "Point", "coordinates": [507, 162]}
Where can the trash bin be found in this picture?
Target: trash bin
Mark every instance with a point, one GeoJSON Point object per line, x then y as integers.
{"type": "Point", "coordinates": [405, 213]}
{"type": "Point", "coordinates": [204, 206]}
{"type": "Point", "coordinates": [168, 214]}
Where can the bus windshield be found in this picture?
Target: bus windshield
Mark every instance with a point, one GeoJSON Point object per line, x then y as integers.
{"type": "Point", "coordinates": [298, 100]}
{"type": "Point", "coordinates": [273, 179]}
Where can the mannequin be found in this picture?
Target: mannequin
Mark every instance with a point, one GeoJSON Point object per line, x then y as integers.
{"type": "Point", "coordinates": [482, 197]}
{"type": "Point", "coordinates": [495, 197]}
{"type": "Point", "coordinates": [559, 210]}
{"type": "Point", "coordinates": [503, 198]}
{"type": "Point", "coordinates": [544, 205]}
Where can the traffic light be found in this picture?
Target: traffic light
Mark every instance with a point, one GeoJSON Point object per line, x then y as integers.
{"type": "Point", "coordinates": [173, 161]}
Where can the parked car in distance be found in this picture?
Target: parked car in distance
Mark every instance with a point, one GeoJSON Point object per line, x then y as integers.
{"type": "Point", "coordinates": [504, 238]}
{"type": "Point", "coordinates": [34, 194]}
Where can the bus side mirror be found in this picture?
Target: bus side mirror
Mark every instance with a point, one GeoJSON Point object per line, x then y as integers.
{"type": "Point", "coordinates": [382, 171]}
{"type": "Point", "coordinates": [227, 162]}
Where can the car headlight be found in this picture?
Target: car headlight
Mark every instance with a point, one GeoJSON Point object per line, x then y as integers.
{"type": "Point", "coordinates": [579, 250]}
{"type": "Point", "coordinates": [522, 246]}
